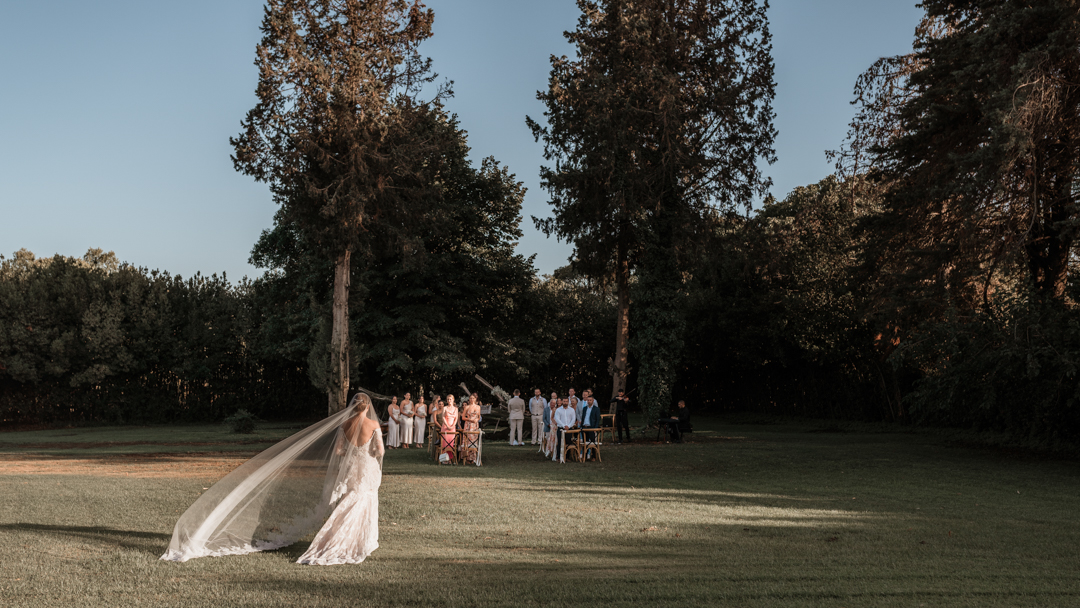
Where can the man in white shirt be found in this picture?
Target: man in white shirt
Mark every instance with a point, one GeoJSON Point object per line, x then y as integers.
{"type": "Point", "coordinates": [565, 419]}
{"type": "Point", "coordinates": [537, 405]}
{"type": "Point", "coordinates": [517, 417]}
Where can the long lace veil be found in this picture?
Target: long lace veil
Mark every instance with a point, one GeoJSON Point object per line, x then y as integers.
{"type": "Point", "coordinates": [273, 500]}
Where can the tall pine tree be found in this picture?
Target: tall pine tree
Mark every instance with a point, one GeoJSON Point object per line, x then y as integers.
{"type": "Point", "coordinates": [334, 133]}
{"type": "Point", "coordinates": [659, 120]}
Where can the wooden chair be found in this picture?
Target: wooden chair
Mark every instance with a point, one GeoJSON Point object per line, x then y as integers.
{"type": "Point", "coordinates": [470, 442]}
{"type": "Point", "coordinates": [608, 428]}
{"type": "Point", "coordinates": [590, 440]}
{"type": "Point", "coordinates": [571, 445]}
{"type": "Point", "coordinates": [433, 440]}
{"type": "Point", "coordinates": [454, 446]}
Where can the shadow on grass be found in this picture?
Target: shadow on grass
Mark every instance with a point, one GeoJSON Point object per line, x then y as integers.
{"type": "Point", "coordinates": [152, 542]}
{"type": "Point", "coordinates": [696, 569]}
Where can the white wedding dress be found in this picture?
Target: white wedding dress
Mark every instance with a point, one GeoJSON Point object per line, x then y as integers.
{"type": "Point", "coordinates": [285, 493]}
{"type": "Point", "coordinates": [352, 531]}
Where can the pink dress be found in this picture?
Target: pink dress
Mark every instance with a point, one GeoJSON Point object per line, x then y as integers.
{"type": "Point", "coordinates": [449, 427]}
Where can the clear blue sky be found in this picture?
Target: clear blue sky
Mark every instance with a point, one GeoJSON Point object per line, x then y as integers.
{"type": "Point", "coordinates": [116, 114]}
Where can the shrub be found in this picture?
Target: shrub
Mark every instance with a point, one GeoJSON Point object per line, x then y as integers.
{"type": "Point", "coordinates": [242, 421]}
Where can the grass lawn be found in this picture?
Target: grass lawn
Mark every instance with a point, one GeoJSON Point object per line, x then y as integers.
{"type": "Point", "coordinates": [741, 515]}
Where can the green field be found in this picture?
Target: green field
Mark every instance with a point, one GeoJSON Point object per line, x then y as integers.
{"type": "Point", "coordinates": [782, 514]}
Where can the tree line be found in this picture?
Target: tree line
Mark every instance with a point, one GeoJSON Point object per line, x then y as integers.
{"type": "Point", "coordinates": [92, 340]}
{"type": "Point", "coordinates": [929, 280]}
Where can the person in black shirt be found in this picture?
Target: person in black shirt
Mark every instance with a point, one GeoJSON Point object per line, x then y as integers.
{"type": "Point", "coordinates": [622, 417]}
{"type": "Point", "coordinates": [682, 416]}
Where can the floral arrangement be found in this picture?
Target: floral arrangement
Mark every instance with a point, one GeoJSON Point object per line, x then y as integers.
{"type": "Point", "coordinates": [501, 394]}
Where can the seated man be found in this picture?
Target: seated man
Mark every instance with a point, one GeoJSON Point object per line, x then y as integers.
{"type": "Point", "coordinates": [682, 416]}
{"type": "Point", "coordinates": [590, 419]}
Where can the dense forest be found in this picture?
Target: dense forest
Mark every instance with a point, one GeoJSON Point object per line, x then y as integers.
{"type": "Point", "coordinates": [930, 280]}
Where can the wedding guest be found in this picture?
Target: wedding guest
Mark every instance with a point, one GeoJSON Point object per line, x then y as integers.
{"type": "Point", "coordinates": [590, 419]}
{"type": "Point", "coordinates": [682, 416]}
{"type": "Point", "coordinates": [435, 412]}
{"type": "Point", "coordinates": [470, 426]}
{"type": "Point", "coordinates": [549, 425]}
{"type": "Point", "coordinates": [564, 420]}
{"type": "Point", "coordinates": [585, 394]}
{"type": "Point", "coordinates": [419, 422]}
{"type": "Point", "coordinates": [517, 417]}
{"type": "Point", "coordinates": [448, 420]}
{"type": "Point", "coordinates": [622, 414]}
{"type": "Point", "coordinates": [393, 432]}
{"type": "Point", "coordinates": [406, 429]}
{"type": "Point", "coordinates": [537, 406]}
{"type": "Point", "coordinates": [576, 405]}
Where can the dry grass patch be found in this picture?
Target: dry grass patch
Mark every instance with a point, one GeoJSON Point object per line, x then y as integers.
{"type": "Point", "coordinates": [145, 466]}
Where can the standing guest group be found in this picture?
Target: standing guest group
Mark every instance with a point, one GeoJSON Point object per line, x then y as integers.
{"type": "Point", "coordinates": [457, 431]}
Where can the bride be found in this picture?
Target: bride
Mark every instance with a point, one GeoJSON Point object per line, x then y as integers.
{"type": "Point", "coordinates": [333, 468]}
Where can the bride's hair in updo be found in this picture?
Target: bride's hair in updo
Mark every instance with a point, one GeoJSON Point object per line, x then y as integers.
{"type": "Point", "coordinates": [361, 401]}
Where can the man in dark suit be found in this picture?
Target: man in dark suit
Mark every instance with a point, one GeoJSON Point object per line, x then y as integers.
{"type": "Point", "coordinates": [682, 416]}
{"type": "Point", "coordinates": [590, 419]}
{"type": "Point", "coordinates": [622, 414]}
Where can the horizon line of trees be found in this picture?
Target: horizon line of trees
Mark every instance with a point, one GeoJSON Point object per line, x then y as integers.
{"type": "Point", "coordinates": [94, 341]}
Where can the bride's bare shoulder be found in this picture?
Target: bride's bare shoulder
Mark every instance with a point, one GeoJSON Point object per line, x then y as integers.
{"type": "Point", "coordinates": [367, 429]}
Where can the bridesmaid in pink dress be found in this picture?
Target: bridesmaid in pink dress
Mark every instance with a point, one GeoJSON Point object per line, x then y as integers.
{"type": "Point", "coordinates": [449, 426]}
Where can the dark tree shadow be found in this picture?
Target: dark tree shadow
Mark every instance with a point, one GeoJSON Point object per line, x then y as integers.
{"type": "Point", "coordinates": [151, 542]}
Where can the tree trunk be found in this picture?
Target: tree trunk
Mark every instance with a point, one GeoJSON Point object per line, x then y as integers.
{"type": "Point", "coordinates": [339, 336]}
{"type": "Point", "coordinates": [622, 321]}
{"type": "Point", "coordinates": [1050, 238]}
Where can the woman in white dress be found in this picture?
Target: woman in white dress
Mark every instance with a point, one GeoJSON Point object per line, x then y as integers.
{"type": "Point", "coordinates": [405, 428]}
{"type": "Point", "coordinates": [419, 422]}
{"type": "Point", "coordinates": [331, 469]}
{"type": "Point", "coordinates": [352, 531]}
{"type": "Point", "coordinates": [393, 424]}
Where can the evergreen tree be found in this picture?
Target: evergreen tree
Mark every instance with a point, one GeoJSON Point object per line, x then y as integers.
{"type": "Point", "coordinates": [456, 305]}
{"type": "Point", "coordinates": [334, 135]}
{"type": "Point", "coordinates": [659, 120]}
{"type": "Point", "coordinates": [976, 138]}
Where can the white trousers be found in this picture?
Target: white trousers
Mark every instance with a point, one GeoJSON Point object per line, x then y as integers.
{"type": "Point", "coordinates": [537, 429]}
{"type": "Point", "coordinates": [515, 430]}
{"type": "Point", "coordinates": [406, 430]}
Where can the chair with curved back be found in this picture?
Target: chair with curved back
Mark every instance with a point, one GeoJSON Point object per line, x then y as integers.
{"type": "Point", "coordinates": [571, 445]}
{"type": "Point", "coordinates": [590, 441]}
{"type": "Point", "coordinates": [454, 446]}
{"type": "Point", "coordinates": [608, 428]}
